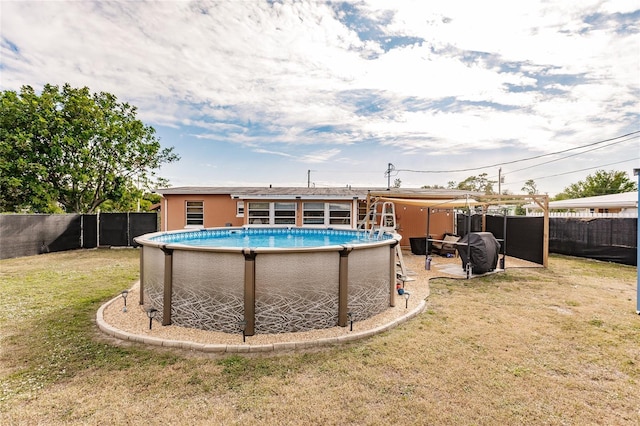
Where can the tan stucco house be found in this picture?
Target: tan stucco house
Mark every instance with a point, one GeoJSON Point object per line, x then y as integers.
{"type": "Point", "coordinates": [208, 207]}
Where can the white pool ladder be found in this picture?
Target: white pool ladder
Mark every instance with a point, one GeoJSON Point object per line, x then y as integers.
{"type": "Point", "coordinates": [388, 217]}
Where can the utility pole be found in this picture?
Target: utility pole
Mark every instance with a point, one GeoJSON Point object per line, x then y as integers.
{"type": "Point", "coordinates": [500, 182]}
{"type": "Point", "coordinates": [636, 172]}
{"type": "Point", "coordinates": [390, 168]}
{"type": "Point", "coordinates": [308, 178]}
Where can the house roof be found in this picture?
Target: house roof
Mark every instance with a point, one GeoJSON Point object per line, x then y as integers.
{"type": "Point", "coordinates": [628, 200]}
{"type": "Point", "coordinates": [346, 192]}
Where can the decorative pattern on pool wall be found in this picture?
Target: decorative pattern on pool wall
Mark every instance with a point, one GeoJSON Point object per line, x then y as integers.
{"type": "Point", "coordinates": [283, 290]}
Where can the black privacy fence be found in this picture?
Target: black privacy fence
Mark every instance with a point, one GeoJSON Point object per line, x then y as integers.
{"type": "Point", "coordinates": [30, 234]}
{"type": "Point", "coordinates": [524, 234]}
{"type": "Point", "coordinates": [606, 239]}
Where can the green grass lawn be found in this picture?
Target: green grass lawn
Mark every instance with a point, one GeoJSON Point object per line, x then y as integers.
{"type": "Point", "coordinates": [530, 346]}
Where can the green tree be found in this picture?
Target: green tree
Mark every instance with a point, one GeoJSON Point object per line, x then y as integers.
{"type": "Point", "coordinates": [480, 183]}
{"type": "Point", "coordinates": [22, 175]}
{"type": "Point", "coordinates": [600, 183]}
{"type": "Point", "coordinates": [530, 187]}
{"type": "Point", "coordinates": [135, 200]}
{"type": "Point", "coordinates": [67, 147]}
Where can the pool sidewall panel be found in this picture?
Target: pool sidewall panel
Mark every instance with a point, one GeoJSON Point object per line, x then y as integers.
{"type": "Point", "coordinates": [208, 290]}
{"type": "Point", "coordinates": [296, 291]}
{"type": "Point", "coordinates": [368, 293]}
{"type": "Point", "coordinates": [153, 275]}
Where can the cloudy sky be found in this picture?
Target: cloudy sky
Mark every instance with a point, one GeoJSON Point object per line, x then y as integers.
{"type": "Point", "coordinates": [262, 92]}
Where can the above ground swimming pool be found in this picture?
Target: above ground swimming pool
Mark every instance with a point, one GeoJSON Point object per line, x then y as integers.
{"type": "Point", "coordinates": [267, 279]}
{"type": "Point", "coordinates": [268, 237]}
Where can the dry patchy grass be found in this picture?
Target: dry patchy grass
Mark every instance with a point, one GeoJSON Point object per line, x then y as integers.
{"type": "Point", "coordinates": [529, 346]}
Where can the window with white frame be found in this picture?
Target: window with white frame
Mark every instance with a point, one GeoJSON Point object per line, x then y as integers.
{"type": "Point", "coordinates": [276, 213]}
{"type": "Point", "coordinates": [240, 209]}
{"type": "Point", "coordinates": [284, 213]}
{"type": "Point", "coordinates": [195, 213]}
{"type": "Point", "coordinates": [339, 213]}
{"type": "Point", "coordinates": [258, 213]}
{"type": "Point", "coordinates": [318, 213]}
{"type": "Point", "coordinates": [362, 211]}
{"type": "Point", "coordinates": [313, 213]}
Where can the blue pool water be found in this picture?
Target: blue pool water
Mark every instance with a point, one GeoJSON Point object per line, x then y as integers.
{"type": "Point", "coordinates": [267, 237]}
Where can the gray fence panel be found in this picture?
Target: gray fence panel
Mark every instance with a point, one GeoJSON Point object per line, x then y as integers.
{"type": "Point", "coordinates": [89, 231]}
{"type": "Point", "coordinates": [113, 229]}
{"type": "Point", "coordinates": [525, 236]}
{"type": "Point", "coordinates": [607, 239]}
{"type": "Point", "coordinates": [31, 234]}
{"type": "Point", "coordinates": [27, 235]}
{"type": "Point", "coordinates": [140, 224]}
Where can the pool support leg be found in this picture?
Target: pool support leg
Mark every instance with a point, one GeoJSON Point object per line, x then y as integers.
{"type": "Point", "coordinates": [142, 275]}
{"type": "Point", "coordinates": [392, 274]}
{"type": "Point", "coordinates": [168, 286]}
{"type": "Point", "coordinates": [343, 287]}
{"type": "Point", "coordinates": [249, 292]}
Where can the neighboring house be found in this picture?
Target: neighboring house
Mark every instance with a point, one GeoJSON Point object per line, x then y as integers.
{"type": "Point", "coordinates": [208, 207]}
{"type": "Point", "coordinates": [623, 204]}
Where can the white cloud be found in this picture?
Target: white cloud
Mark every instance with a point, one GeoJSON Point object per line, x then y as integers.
{"type": "Point", "coordinates": [266, 151]}
{"type": "Point", "coordinates": [320, 156]}
{"type": "Point", "coordinates": [533, 75]}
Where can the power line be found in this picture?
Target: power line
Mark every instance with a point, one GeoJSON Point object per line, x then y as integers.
{"type": "Point", "coordinates": [569, 156]}
{"type": "Point", "coordinates": [346, 171]}
{"type": "Point", "coordinates": [576, 171]}
{"type": "Point", "coordinates": [523, 159]}
{"type": "Point", "coordinates": [573, 155]}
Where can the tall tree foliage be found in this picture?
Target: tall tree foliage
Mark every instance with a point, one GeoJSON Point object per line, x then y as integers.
{"type": "Point", "coordinates": [480, 183]}
{"type": "Point", "coordinates": [530, 187]}
{"type": "Point", "coordinates": [600, 183]}
{"type": "Point", "coordinates": [67, 147]}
